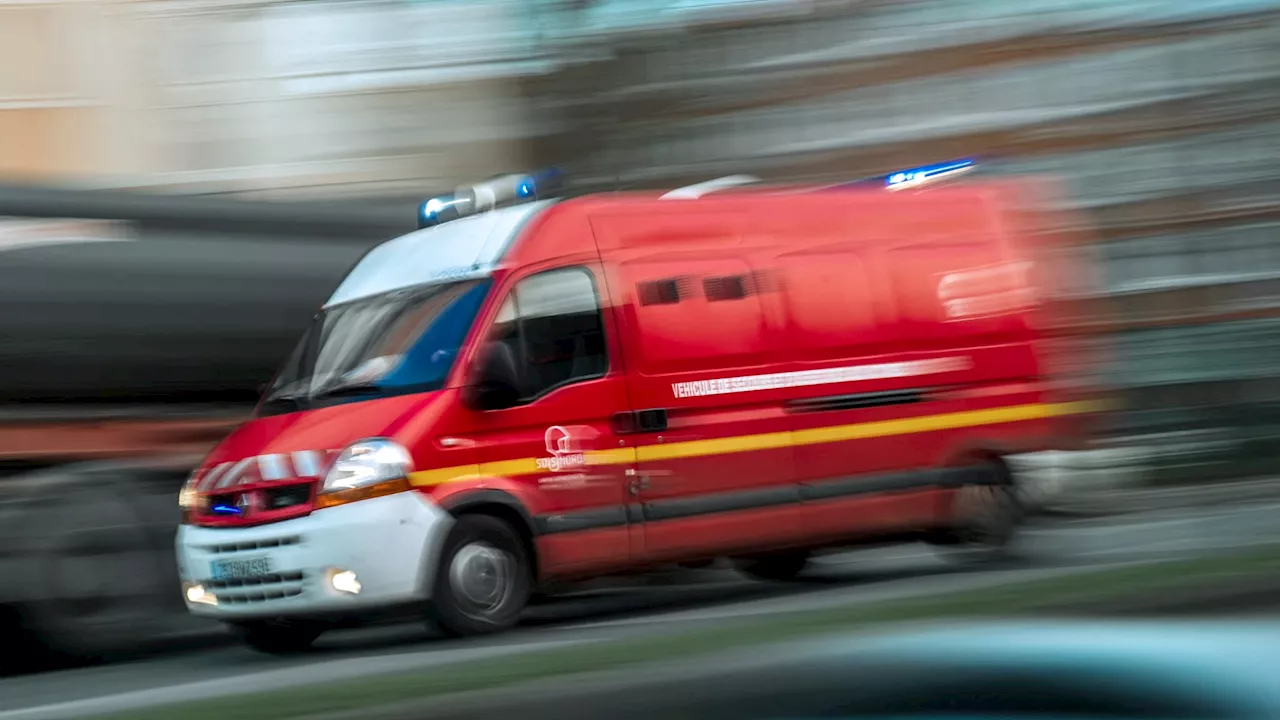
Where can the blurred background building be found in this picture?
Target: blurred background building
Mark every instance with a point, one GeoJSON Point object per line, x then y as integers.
{"type": "Point", "coordinates": [268, 98]}
{"type": "Point", "coordinates": [1161, 116]}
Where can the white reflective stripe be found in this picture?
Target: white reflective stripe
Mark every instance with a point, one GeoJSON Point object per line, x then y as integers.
{"type": "Point", "coordinates": [826, 376]}
{"type": "Point", "coordinates": [232, 476]}
{"type": "Point", "coordinates": [211, 477]}
{"type": "Point", "coordinates": [306, 463]}
{"type": "Point", "coordinates": [273, 467]}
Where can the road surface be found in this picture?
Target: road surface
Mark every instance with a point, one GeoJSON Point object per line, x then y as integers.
{"type": "Point", "coordinates": [210, 668]}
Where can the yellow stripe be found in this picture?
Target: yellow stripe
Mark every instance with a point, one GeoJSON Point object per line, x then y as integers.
{"type": "Point", "coordinates": [507, 468]}
{"type": "Point", "coordinates": [928, 423]}
{"type": "Point", "coordinates": [770, 441]}
{"type": "Point", "coordinates": [427, 478]}
{"type": "Point", "coordinates": [718, 446]}
{"type": "Point", "coordinates": [616, 456]}
{"type": "Point", "coordinates": [504, 468]}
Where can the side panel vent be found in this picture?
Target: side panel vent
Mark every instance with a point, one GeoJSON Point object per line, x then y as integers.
{"type": "Point", "coordinates": [660, 292]}
{"type": "Point", "coordinates": [732, 287]}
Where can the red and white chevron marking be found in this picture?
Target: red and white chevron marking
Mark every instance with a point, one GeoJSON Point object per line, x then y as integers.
{"type": "Point", "coordinates": [299, 465]}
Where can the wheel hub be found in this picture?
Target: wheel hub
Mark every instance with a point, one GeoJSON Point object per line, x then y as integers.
{"type": "Point", "coordinates": [482, 578]}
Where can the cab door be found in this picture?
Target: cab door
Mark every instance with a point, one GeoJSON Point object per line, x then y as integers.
{"type": "Point", "coordinates": [558, 442]}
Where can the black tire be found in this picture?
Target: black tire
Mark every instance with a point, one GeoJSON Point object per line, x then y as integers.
{"type": "Point", "coordinates": [777, 566]}
{"type": "Point", "coordinates": [98, 579]}
{"type": "Point", "coordinates": [483, 581]}
{"type": "Point", "coordinates": [988, 517]}
{"type": "Point", "coordinates": [278, 638]}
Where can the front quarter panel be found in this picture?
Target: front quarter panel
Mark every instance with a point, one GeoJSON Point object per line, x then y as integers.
{"type": "Point", "coordinates": [473, 492]}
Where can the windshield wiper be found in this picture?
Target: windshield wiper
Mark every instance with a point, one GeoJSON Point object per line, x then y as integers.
{"type": "Point", "coordinates": [361, 381]}
{"type": "Point", "coordinates": [294, 400]}
{"type": "Point", "coordinates": [346, 390]}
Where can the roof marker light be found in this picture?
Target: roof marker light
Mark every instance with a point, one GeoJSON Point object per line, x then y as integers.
{"type": "Point", "coordinates": [915, 177]}
{"type": "Point", "coordinates": [697, 190]}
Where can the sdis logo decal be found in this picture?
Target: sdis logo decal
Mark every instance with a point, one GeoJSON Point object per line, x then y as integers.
{"type": "Point", "coordinates": [564, 449]}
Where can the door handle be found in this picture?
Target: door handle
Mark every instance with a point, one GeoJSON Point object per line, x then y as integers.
{"type": "Point", "coordinates": [639, 421]}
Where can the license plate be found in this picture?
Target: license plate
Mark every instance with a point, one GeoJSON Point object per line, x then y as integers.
{"type": "Point", "coordinates": [240, 569]}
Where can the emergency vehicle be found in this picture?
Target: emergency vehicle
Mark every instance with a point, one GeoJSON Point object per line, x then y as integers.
{"type": "Point", "coordinates": [533, 389]}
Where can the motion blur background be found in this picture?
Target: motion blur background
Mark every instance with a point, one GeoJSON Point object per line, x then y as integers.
{"type": "Point", "coordinates": [182, 182]}
{"type": "Point", "coordinates": [1159, 115]}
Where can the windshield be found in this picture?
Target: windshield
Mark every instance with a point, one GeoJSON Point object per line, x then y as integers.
{"type": "Point", "coordinates": [395, 343]}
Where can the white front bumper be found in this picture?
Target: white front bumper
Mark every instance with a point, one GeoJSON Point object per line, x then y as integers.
{"type": "Point", "coordinates": [391, 544]}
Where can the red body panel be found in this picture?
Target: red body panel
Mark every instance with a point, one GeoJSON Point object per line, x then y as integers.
{"type": "Point", "coordinates": [796, 342]}
{"type": "Point", "coordinates": [663, 342]}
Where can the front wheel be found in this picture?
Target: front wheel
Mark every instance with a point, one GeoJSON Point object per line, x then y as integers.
{"type": "Point", "coordinates": [484, 579]}
{"type": "Point", "coordinates": [278, 638]}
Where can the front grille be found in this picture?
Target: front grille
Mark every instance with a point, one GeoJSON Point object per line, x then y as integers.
{"type": "Point", "coordinates": [280, 500]}
{"type": "Point", "coordinates": [262, 580]}
{"type": "Point", "coordinates": [277, 498]}
{"type": "Point", "coordinates": [253, 545]}
{"type": "Point", "coordinates": [258, 596]}
{"type": "Point", "coordinates": [266, 588]}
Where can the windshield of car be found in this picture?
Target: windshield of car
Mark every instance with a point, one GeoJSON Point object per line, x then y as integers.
{"type": "Point", "coordinates": [395, 343]}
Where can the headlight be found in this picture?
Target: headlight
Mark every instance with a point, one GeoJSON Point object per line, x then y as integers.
{"type": "Point", "coordinates": [366, 465]}
{"type": "Point", "coordinates": [188, 498]}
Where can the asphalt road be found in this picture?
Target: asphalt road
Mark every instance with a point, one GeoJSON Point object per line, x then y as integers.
{"type": "Point", "coordinates": [209, 668]}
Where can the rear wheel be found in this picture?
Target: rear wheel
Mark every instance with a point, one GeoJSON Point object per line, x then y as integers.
{"type": "Point", "coordinates": [278, 637]}
{"type": "Point", "coordinates": [985, 518]}
{"type": "Point", "coordinates": [484, 579]}
{"type": "Point", "coordinates": [775, 566]}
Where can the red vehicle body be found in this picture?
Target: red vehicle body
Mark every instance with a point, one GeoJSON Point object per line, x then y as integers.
{"type": "Point", "coordinates": [634, 381]}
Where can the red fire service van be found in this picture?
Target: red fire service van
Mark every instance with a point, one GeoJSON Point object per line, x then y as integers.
{"type": "Point", "coordinates": [531, 389]}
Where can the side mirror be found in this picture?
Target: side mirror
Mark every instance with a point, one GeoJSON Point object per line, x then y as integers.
{"type": "Point", "coordinates": [495, 383]}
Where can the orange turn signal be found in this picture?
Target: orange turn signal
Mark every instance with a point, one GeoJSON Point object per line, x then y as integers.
{"type": "Point", "coordinates": [366, 492]}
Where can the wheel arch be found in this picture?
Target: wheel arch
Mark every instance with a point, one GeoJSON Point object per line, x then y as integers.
{"type": "Point", "coordinates": [982, 451]}
{"type": "Point", "coordinates": [502, 505]}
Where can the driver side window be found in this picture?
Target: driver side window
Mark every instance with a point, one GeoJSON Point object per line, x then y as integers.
{"type": "Point", "coordinates": [552, 325]}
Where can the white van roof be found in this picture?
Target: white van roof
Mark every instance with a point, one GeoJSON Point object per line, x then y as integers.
{"type": "Point", "coordinates": [467, 247]}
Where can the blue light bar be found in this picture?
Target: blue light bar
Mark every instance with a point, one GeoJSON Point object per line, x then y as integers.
{"type": "Point", "coordinates": [226, 510]}
{"type": "Point", "coordinates": [439, 209]}
{"type": "Point", "coordinates": [540, 184]}
{"type": "Point", "coordinates": [915, 177]}
{"type": "Point", "coordinates": [487, 195]}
